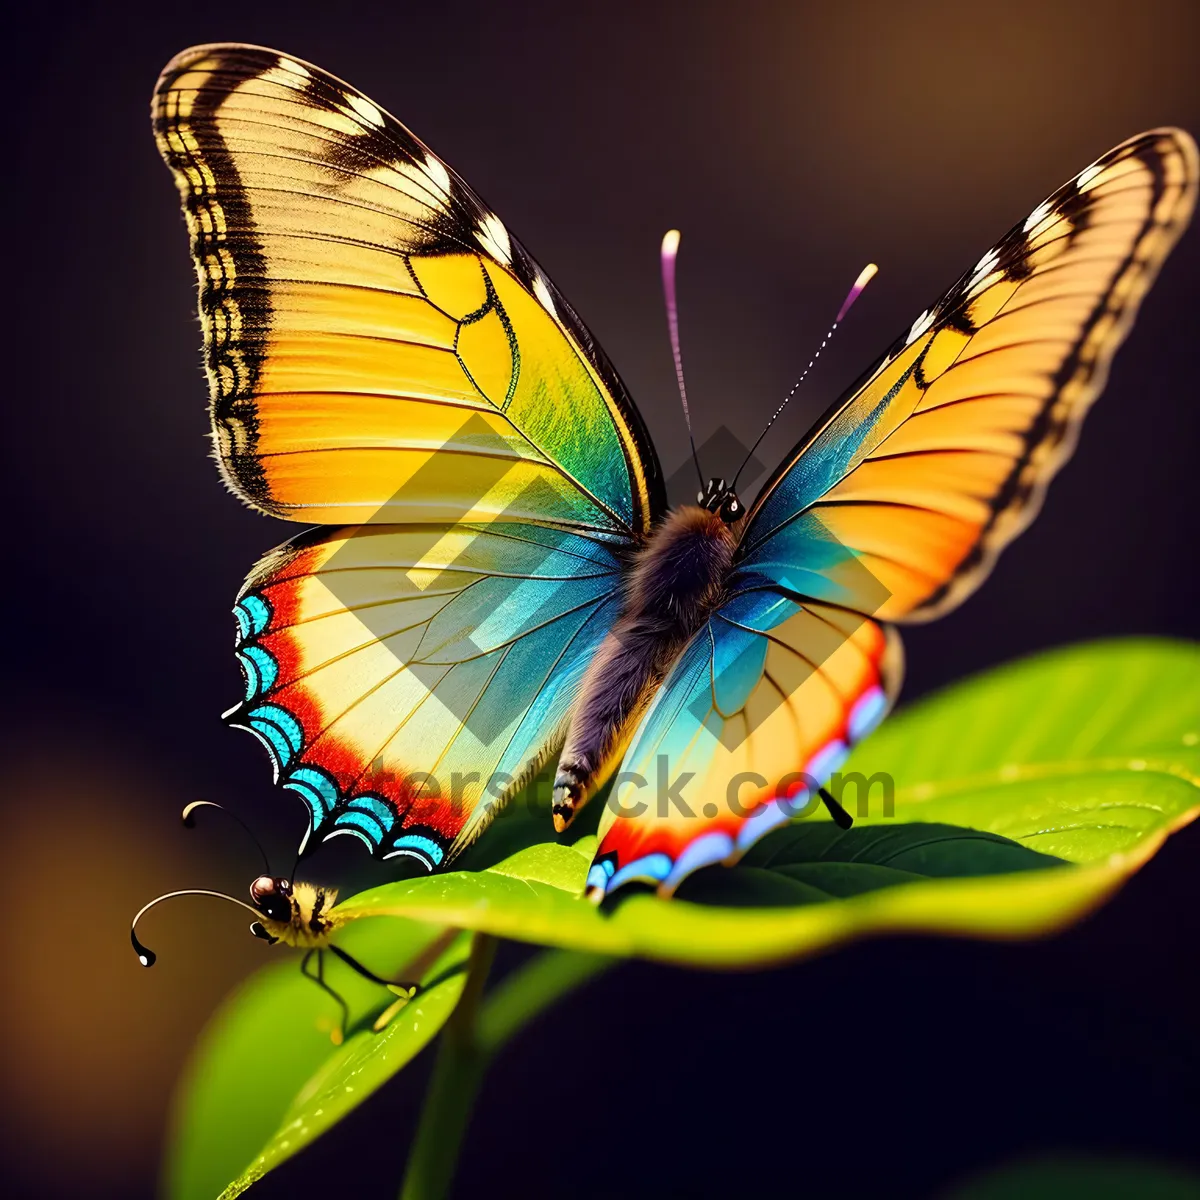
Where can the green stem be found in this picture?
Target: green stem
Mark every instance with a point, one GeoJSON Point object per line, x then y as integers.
{"type": "Point", "coordinates": [457, 1074]}
{"type": "Point", "coordinates": [473, 1035]}
{"type": "Point", "coordinates": [538, 984]}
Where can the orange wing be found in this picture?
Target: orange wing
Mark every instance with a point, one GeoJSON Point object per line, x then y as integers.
{"type": "Point", "coordinates": [899, 501]}
{"type": "Point", "coordinates": [379, 346]}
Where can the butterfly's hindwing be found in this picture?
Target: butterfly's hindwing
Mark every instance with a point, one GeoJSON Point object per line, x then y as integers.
{"type": "Point", "coordinates": [406, 680]}
{"type": "Point", "coordinates": [762, 707]}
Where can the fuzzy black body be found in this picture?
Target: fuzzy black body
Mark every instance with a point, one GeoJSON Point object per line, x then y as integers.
{"type": "Point", "coordinates": [675, 582]}
{"type": "Point", "coordinates": [308, 924]}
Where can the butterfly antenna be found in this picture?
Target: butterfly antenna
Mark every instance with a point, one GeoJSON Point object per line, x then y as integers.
{"type": "Point", "coordinates": [670, 250]}
{"type": "Point", "coordinates": [146, 956]}
{"type": "Point", "coordinates": [190, 822]}
{"type": "Point", "coordinates": [302, 848]}
{"type": "Point", "coordinates": [864, 277]}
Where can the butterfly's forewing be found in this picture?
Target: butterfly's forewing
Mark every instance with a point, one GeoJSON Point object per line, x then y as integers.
{"type": "Point", "coordinates": [895, 507]}
{"type": "Point", "coordinates": [381, 350]}
{"type": "Point", "coordinates": [911, 486]}
{"type": "Point", "coordinates": [361, 305]}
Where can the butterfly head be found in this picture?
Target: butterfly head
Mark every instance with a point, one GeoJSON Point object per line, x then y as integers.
{"type": "Point", "coordinates": [718, 497]}
{"type": "Point", "coordinates": [297, 914]}
{"type": "Point", "coordinates": [272, 896]}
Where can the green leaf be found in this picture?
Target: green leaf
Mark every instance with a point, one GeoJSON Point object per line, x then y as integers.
{"type": "Point", "coordinates": [1022, 798]}
{"type": "Point", "coordinates": [815, 861]}
{"type": "Point", "coordinates": [265, 1079]}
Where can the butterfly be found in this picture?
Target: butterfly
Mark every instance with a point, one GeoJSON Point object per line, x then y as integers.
{"type": "Point", "coordinates": [492, 580]}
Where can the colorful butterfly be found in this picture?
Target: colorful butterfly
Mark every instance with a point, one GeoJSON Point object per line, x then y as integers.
{"type": "Point", "coordinates": [494, 576]}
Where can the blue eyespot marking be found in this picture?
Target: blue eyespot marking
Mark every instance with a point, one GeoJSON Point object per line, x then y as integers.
{"type": "Point", "coordinates": [253, 615]}
{"type": "Point", "coordinates": [599, 876]}
{"type": "Point", "coordinates": [310, 798]}
{"type": "Point", "coordinates": [316, 789]}
{"type": "Point", "coordinates": [361, 820]}
{"type": "Point", "coordinates": [277, 745]}
{"type": "Point", "coordinates": [709, 848]}
{"type": "Point", "coordinates": [867, 713]}
{"type": "Point", "coordinates": [653, 868]}
{"type": "Point", "coordinates": [418, 847]}
{"type": "Point", "coordinates": [372, 804]}
{"type": "Point", "coordinates": [760, 823]}
{"type": "Point", "coordinates": [827, 760]}
{"type": "Point", "coordinates": [261, 670]}
{"type": "Point", "coordinates": [284, 720]}
{"type": "Point", "coordinates": [279, 731]}
{"type": "Point", "coordinates": [318, 782]}
{"type": "Point", "coordinates": [250, 670]}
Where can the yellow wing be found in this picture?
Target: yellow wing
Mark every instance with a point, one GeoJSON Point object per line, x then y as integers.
{"type": "Point", "coordinates": [899, 501]}
{"type": "Point", "coordinates": [379, 347]}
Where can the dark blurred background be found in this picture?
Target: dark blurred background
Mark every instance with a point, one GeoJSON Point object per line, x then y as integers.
{"type": "Point", "coordinates": [791, 143]}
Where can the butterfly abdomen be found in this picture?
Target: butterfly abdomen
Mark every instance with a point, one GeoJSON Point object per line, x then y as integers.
{"type": "Point", "coordinates": [674, 584]}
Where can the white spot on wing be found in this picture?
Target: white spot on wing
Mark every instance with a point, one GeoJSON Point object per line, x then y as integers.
{"type": "Point", "coordinates": [438, 175]}
{"type": "Point", "coordinates": [493, 237]}
{"type": "Point", "coordinates": [365, 109]}
{"type": "Point", "coordinates": [1038, 215]}
{"type": "Point", "coordinates": [293, 67]}
{"type": "Point", "coordinates": [1087, 177]}
{"type": "Point", "coordinates": [987, 262]}
{"type": "Point", "coordinates": [542, 292]}
{"type": "Point", "coordinates": [287, 74]}
{"type": "Point", "coordinates": [984, 267]}
{"type": "Point", "coordinates": [919, 326]}
{"type": "Point", "coordinates": [427, 188]}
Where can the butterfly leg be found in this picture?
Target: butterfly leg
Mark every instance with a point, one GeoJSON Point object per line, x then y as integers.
{"type": "Point", "coordinates": [337, 1035]}
{"type": "Point", "coordinates": [841, 817]}
{"type": "Point", "coordinates": [355, 965]}
{"type": "Point", "coordinates": [404, 992]}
